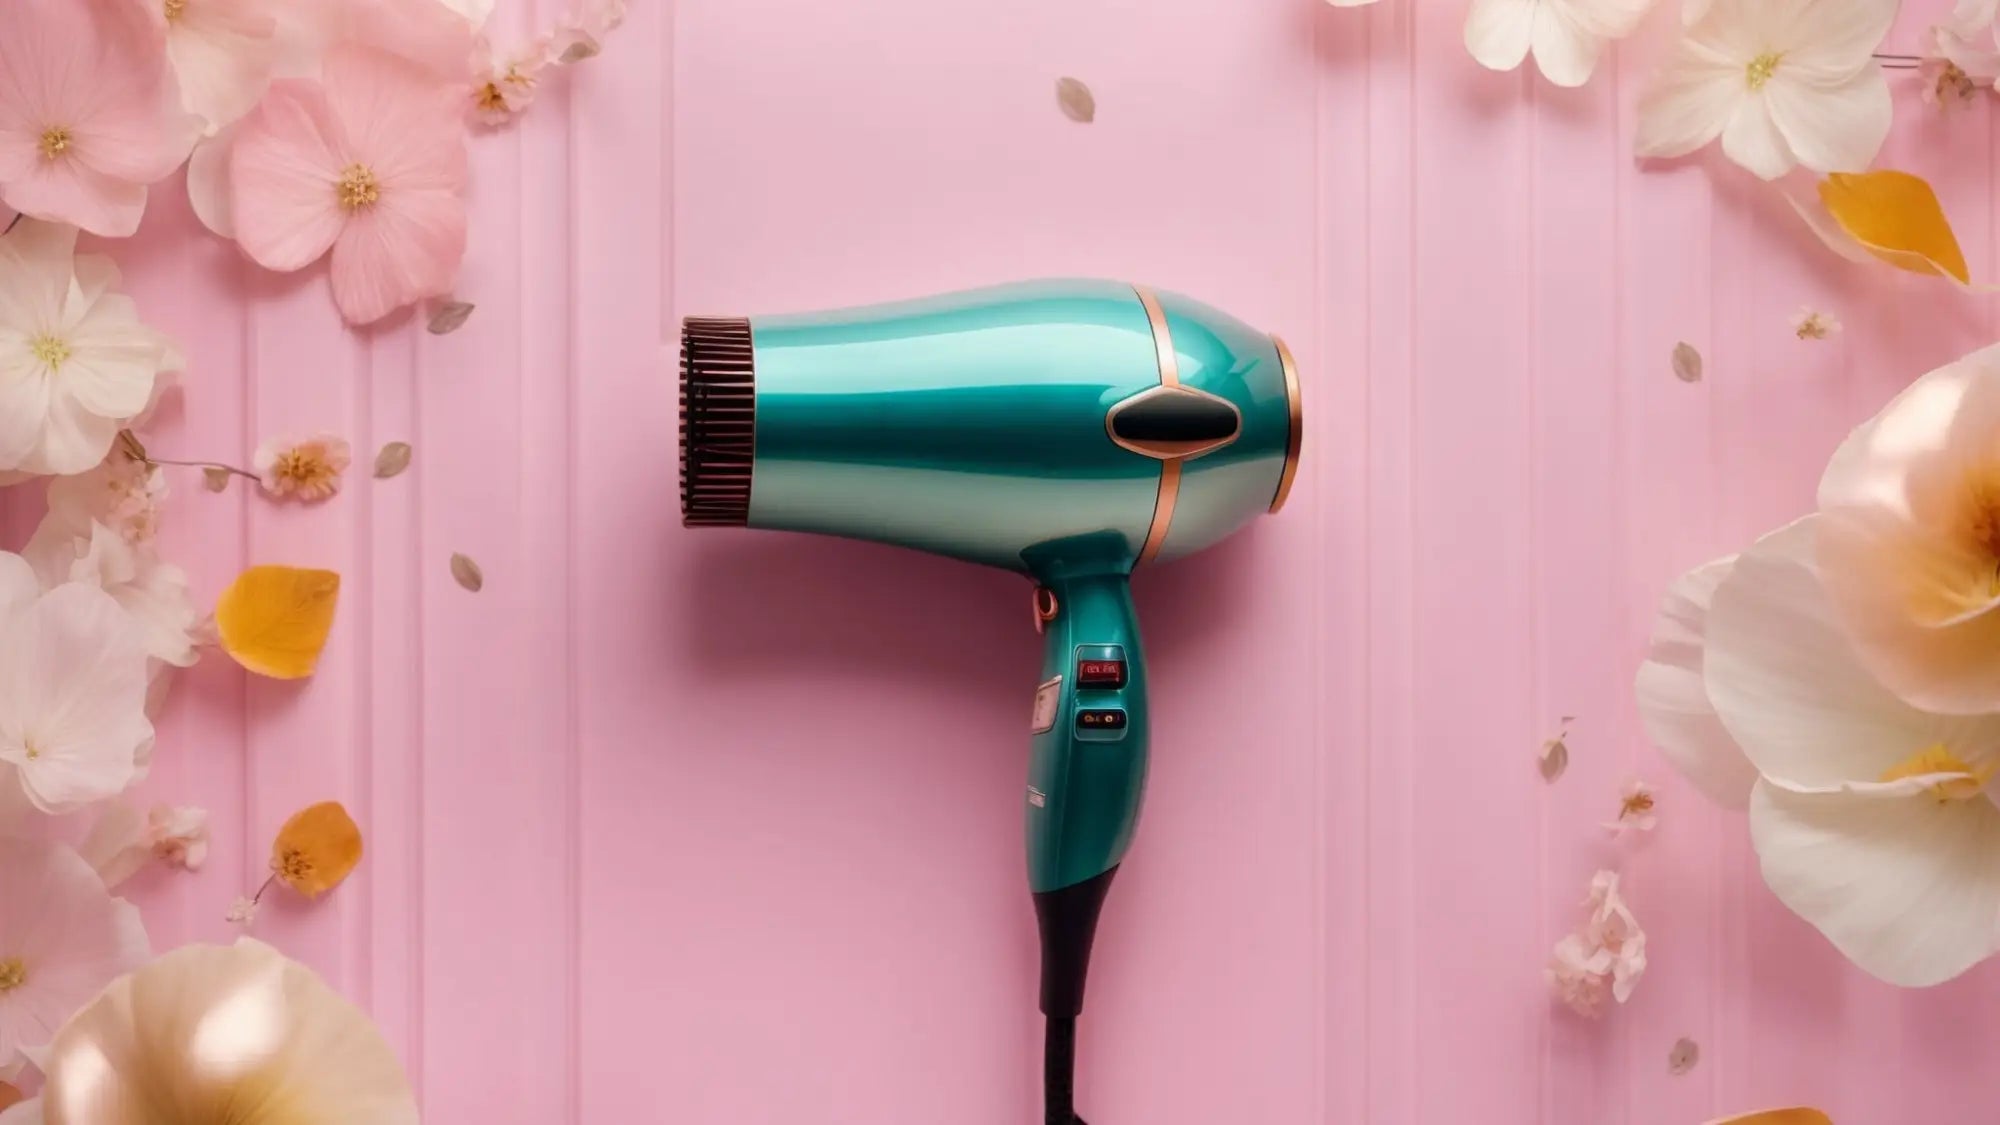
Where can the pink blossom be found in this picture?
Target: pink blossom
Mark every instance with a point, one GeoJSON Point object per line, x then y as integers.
{"type": "Point", "coordinates": [222, 52]}
{"type": "Point", "coordinates": [370, 162]}
{"type": "Point", "coordinates": [1606, 956]}
{"type": "Point", "coordinates": [178, 836]}
{"type": "Point", "coordinates": [89, 115]}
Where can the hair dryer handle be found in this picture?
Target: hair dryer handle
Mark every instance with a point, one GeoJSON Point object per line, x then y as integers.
{"type": "Point", "coordinates": [1088, 769]}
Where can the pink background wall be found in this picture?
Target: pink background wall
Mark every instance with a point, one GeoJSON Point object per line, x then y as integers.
{"type": "Point", "coordinates": [660, 827]}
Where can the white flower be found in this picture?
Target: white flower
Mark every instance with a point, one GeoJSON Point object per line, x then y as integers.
{"type": "Point", "coordinates": [1566, 36]}
{"type": "Point", "coordinates": [1636, 810]}
{"type": "Point", "coordinates": [75, 362]}
{"type": "Point", "coordinates": [1810, 324]}
{"type": "Point", "coordinates": [152, 590]}
{"type": "Point", "coordinates": [1782, 84]}
{"type": "Point", "coordinates": [72, 693]}
{"type": "Point", "coordinates": [1871, 819]}
{"type": "Point", "coordinates": [1673, 697]}
{"type": "Point", "coordinates": [121, 842]}
{"type": "Point", "coordinates": [1959, 57]}
{"type": "Point", "coordinates": [233, 1033]}
{"type": "Point", "coordinates": [62, 938]}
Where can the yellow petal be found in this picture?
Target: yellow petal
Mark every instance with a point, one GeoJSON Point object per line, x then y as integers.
{"type": "Point", "coordinates": [316, 849]}
{"type": "Point", "coordinates": [1897, 218]}
{"type": "Point", "coordinates": [1797, 1115]}
{"type": "Point", "coordinates": [274, 619]}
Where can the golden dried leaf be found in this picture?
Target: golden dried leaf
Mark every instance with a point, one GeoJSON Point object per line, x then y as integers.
{"type": "Point", "coordinates": [394, 458]}
{"type": "Point", "coordinates": [1687, 363]}
{"type": "Point", "coordinates": [1896, 217]}
{"type": "Point", "coordinates": [130, 445]}
{"type": "Point", "coordinates": [585, 47]}
{"type": "Point", "coordinates": [450, 318]}
{"type": "Point", "coordinates": [468, 573]}
{"type": "Point", "coordinates": [1555, 758]}
{"type": "Point", "coordinates": [316, 849]}
{"type": "Point", "coordinates": [1076, 100]}
{"type": "Point", "coordinates": [274, 620]}
{"type": "Point", "coordinates": [1682, 1058]}
{"type": "Point", "coordinates": [10, 1095]}
{"type": "Point", "coordinates": [1796, 1115]}
{"type": "Point", "coordinates": [215, 480]}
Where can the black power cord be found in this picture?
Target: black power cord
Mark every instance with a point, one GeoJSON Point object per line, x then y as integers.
{"type": "Point", "coordinates": [1059, 1073]}
{"type": "Point", "coordinates": [1068, 918]}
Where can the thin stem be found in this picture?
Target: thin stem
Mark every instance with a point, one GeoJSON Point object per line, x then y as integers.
{"type": "Point", "coordinates": [259, 896]}
{"type": "Point", "coordinates": [1900, 58]}
{"type": "Point", "coordinates": [150, 460]}
{"type": "Point", "coordinates": [12, 223]}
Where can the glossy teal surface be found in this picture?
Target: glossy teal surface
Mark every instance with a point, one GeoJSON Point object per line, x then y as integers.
{"type": "Point", "coordinates": [1084, 788]}
{"type": "Point", "coordinates": [970, 424]}
{"type": "Point", "coordinates": [973, 425]}
{"type": "Point", "coordinates": [1223, 490]}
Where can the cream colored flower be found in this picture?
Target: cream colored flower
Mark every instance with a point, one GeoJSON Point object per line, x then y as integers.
{"type": "Point", "coordinates": [308, 469]}
{"type": "Point", "coordinates": [1910, 544]}
{"type": "Point", "coordinates": [1873, 819]}
{"type": "Point", "coordinates": [1605, 957]}
{"type": "Point", "coordinates": [1565, 36]}
{"type": "Point", "coordinates": [1782, 84]}
{"type": "Point", "coordinates": [1673, 696]}
{"type": "Point", "coordinates": [236, 1034]}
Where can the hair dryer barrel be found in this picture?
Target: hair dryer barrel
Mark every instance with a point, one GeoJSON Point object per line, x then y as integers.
{"type": "Point", "coordinates": [988, 425]}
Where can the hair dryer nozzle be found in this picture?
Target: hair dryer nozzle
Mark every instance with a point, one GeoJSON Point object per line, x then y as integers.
{"type": "Point", "coordinates": [718, 421]}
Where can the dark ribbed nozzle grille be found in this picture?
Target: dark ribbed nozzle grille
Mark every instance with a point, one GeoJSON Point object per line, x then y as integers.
{"type": "Point", "coordinates": [718, 421]}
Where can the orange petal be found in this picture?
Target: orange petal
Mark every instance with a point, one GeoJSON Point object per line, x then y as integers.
{"type": "Point", "coordinates": [1796, 1115]}
{"type": "Point", "coordinates": [274, 620]}
{"type": "Point", "coordinates": [10, 1095]}
{"type": "Point", "coordinates": [316, 849]}
{"type": "Point", "coordinates": [1897, 218]}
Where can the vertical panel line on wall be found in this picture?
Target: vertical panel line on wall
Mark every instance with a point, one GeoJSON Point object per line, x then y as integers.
{"type": "Point", "coordinates": [1537, 607]}
{"type": "Point", "coordinates": [360, 961]}
{"type": "Point", "coordinates": [572, 716]}
{"type": "Point", "coordinates": [1408, 851]}
{"type": "Point", "coordinates": [420, 781]}
{"type": "Point", "coordinates": [1316, 745]}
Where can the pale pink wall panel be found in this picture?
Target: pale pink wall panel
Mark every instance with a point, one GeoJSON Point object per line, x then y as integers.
{"type": "Point", "coordinates": [725, 827]}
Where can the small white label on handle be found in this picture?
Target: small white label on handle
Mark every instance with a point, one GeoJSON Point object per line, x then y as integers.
{"type": "Point", "coordinates": [1048, 700]}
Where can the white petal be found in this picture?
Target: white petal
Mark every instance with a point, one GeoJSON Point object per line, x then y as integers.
{"type": "Point", "coordinates": [1832, 40]}
{"type": "Point", "coordinates": [1694, 11]}
{"type": "Point", "coordinates": [1752, 139]}
{"type": "Point", "coordinates": [23, 1113]}
{"type": "Point", "coordinates": [1565, 51]}
{"type": "Point", "coordinates": [1605, 19]}
{"type": "Point", "coordinates": [1687, 104]}
{"type": "Point", "coordinates": [1836, 128]}
{"type": "Point", "coordinates": [1673, 698]}
{"type": "Point", "coordinates": [116, 845]}
{"type": "Point", "coordinates": [24, 403]}
{"type": "Point", "coordinates": [208, 183]}
{"type": "Point", "coordinates": [1499, 32]}
{"type": "Point", "coordinates": [72, 681]}
{"type": "Point", "coordinates": [18, 585]}
{"type": "Point", "coordinates": [1908, 889]}
{"type": "Point", "coordinates": [1787, 684]}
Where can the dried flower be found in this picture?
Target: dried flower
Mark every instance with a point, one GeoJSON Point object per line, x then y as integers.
{"type": "Point", "coordinates": [1608, 955]}
{"type": "Point", "coordinates": [316, 849]}
{"type": "Point", "coordinates": [121, 842]}
{"type": "Point", "coordinates": [178, 836]}
{"type": "Point", "coordinates": [308, 469]}
{"type": "Point", "coordinates": [242, 912]}
{"type": "Point", "coordinates": [1635, 810]}
{"type": "Point", "coordinates": [1577, 976]}
{"type": "Point", "coordinates": [507, 85]}
{"type": "Point", "coordinates": [1809, 324]}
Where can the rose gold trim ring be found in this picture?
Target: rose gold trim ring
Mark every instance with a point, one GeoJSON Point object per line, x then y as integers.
{"type": "Point", "coordinates": [1170, 470]}
{"type": "Point", "coordinates": [1297, 411]}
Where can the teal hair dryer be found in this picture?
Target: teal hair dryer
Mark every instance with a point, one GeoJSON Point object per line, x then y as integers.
{"type": "Point", "coordinates": [1065, 430]}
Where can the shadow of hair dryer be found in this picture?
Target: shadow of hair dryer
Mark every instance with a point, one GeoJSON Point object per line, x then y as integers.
{"type": "Point", "coordinates": [1067, 430]}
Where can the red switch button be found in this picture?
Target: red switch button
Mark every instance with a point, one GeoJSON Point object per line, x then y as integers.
{"type": "Point", "coordinates": [1100, 673]}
